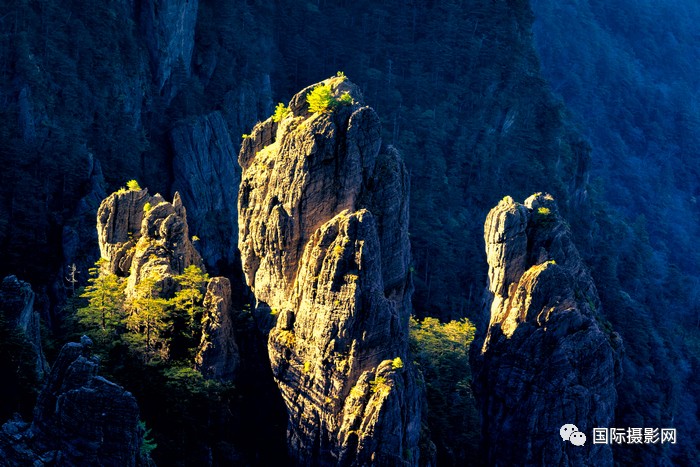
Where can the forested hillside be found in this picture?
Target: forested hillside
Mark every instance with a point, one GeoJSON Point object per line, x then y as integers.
{"type": "Point", "coordinates": [93, 94]}
{"type": "Point", "coordinates": [629, 74]}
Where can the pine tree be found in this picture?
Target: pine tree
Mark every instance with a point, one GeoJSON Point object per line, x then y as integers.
{"type": "Point", "coordinates": [104, 312]}
{"type": "Point", "coordinates": [147, 319]}
{"type": "Point", "coordinates": [189, 298]}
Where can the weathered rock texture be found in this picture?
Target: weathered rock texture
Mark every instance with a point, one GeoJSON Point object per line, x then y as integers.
{"type": "Point", "coordinates": [217, 355]}
{"type": "Point", "coordinates": [17, 304]}
{"type": "Point", "coordinates": [207, 176]}
{"type": "Point", "coordinates": [141, 235]}
{"type": "Point", "coordinates": [168, 26]}
{"type": "Point", "coordinates": [548, 357]}
{"type": "Point", "coordinates": [80, 419]}
{"type": "Point", "coordinates": [323, 234]}
{"type": "Point", "coordinates": [144, 236]}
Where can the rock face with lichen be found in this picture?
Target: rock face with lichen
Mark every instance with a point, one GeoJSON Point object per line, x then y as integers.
{"type": "Point", "coordinates": [323, 234]}
{"type": "Point", "coordinates": [80, 419]}
{"type": "Point", "coordinates": [548, 357]}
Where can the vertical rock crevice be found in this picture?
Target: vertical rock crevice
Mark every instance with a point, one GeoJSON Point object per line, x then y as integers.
{"type": "Point", "coordinates": [323, 235]}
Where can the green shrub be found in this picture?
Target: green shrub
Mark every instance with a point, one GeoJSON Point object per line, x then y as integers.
{"type": "Point", "coordinates": [133, 185]}
{"type": "Point", "coordinates": [281, 111]}
{"type": "Point", "coordinates": [147, 207]}
{"type": "Point", "coordinates": [321, 99]}
{"type": "Point", "coordinates": [346, 99]}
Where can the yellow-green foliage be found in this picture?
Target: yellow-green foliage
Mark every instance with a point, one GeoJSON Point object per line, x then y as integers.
{"type": "Point", "coordinates": [281, 111]}
{"type": "Point", "coordinates": [544, 211]}
{"type": "Point", "coordinates": [321, 99]}
{"type": "Point", "coordinates": [286, 338]}
{"type": "Point", "coordinates": [379, 385]}
{"type": "Point", "coordinates": [441, 351]}
{"type": "Point", "coordinates": [341, 75]}
{"type": "Point", "coordinates": [133, 185]}
{"type": "Point", "coordinates": [346, 98]}
{"type": "Point", "coordinates": [397, 363]}
{"type": "Point", "coordinates": [147, 207]}
{"type": "Point", "coordinates": [338, 251]}
{"type": "Point", "coordinates": [357, 392]}
{"type": "Point", "coordinates": [307, 367]}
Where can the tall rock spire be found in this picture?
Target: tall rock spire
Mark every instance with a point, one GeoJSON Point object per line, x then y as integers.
{"type": "Point", "coordinates": [548, 357]}
{"type": "Point", "coordinates": [323, 234]}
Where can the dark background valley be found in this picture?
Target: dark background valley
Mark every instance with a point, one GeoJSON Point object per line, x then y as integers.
{"type": "Point", "coordinates": [594, 102]}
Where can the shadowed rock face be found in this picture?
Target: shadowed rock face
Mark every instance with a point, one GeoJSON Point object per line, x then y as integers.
{"type": "Point", "coordinates": [217, 355]}
{"type": "Point", "coordinates": [17, 303]}
{"type": "Point", "coordinates": [207, 175]}
{"type": "Point", "coordinates": [548, 357]}
{"type": "Point", "coordinates": [169, 27]}
{"type": "Point", "coordinates": [79, 419]}
{"type": "Point", "coordinates": [323, 234]}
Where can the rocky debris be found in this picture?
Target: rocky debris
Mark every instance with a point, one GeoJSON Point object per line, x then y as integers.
{"type": "Point", "coordinates": [142, 235]}
{"type": "Point", "coordinates": [80, 419]}
{"type": "Point", "coordinates": [217, 356]}
{"type": "Point", "coordinates": [323, 234]}
{"type": "Point", "coordinates": [17, 304]}
{"type": "Point", "coordinates": [168, 27]}
{"type": "Point", "coordinates": [207, 176]}
{"type": "Point", "coordinates": [548, 357]}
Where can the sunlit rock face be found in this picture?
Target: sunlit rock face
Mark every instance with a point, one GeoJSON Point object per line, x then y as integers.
{"type": "Point", "coordinates": [323, 235]}
{"type": "Point", "coordinates": [548, 357]}
{"type": "Point", "coordinates": [142, 235]}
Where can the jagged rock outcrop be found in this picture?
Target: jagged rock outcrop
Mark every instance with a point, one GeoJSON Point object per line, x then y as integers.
{"type": "Point", "coordinates": [548, 357]}
{"type": "Point", "coordinates": [217, 355]}
{"type": "Point", "coordinates": [207, 176]}
{"type": "Point", "coordinates": [17, 304]}
{"type": "Point", "coordinates": [142, 235]}
{"type": "Point", "coordinates": [323, 234]}
{"type": "Point", "coordinates": [80, 419]}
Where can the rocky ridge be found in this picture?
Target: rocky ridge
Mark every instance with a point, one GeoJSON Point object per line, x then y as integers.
{"type": "Point", "coordinates": [548, 357]}
{"type": "Point", "coordinates": [323, 235]}
{"type": "Point", "coordinates": [80, 419]}
{"type": "Point", "coordinates": [140, 235]}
